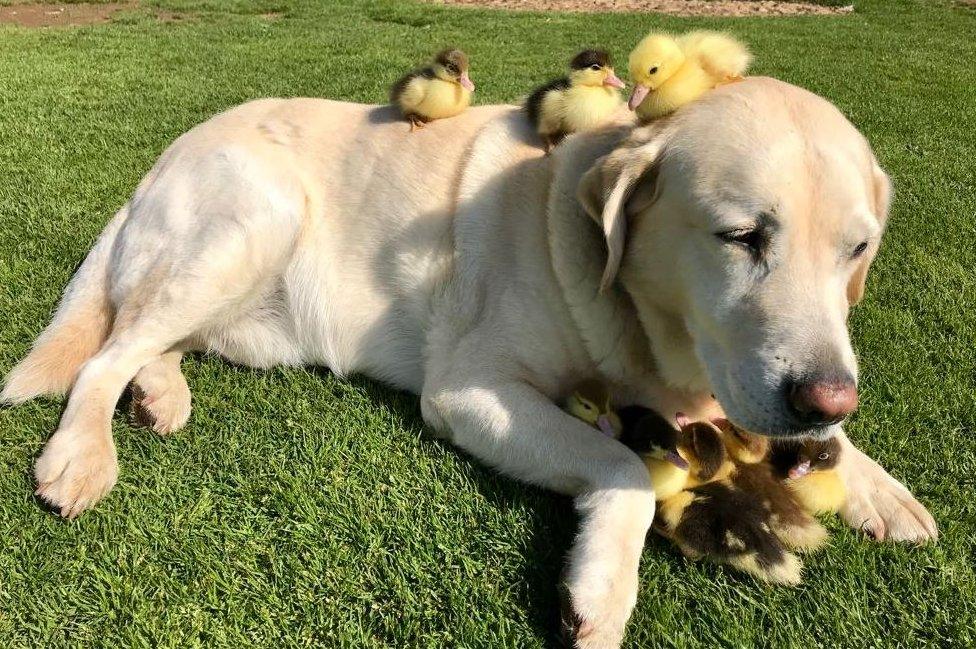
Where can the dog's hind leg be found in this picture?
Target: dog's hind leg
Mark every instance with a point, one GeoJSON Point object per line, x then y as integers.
{"type": "Point", "coordinates": [78, 465]}
{"type": "Point", "coordinates": [198, 252]}
{"type": "Point", "coordinates": [160, 395]}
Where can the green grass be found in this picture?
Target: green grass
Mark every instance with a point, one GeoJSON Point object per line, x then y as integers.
{"type": "Point", "coordinates": [297, 509]}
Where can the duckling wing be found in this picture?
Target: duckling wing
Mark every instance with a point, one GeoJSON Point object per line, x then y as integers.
{"type": "Point", "coordinates": [533, 105]}
{"type": "Point", "coordinates": [720, 55]}
{"type": "Point", "coordinates": [410, 90]}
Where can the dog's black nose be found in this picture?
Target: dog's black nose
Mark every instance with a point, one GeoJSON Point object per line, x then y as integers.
{"type": "Point", "coordinates": [821, 401]}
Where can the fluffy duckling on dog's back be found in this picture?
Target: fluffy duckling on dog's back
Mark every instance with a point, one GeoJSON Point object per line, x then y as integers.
{"type": "Point", "coordinates": [439, 90]}
{"type": "Point", "coordinates": [584, 100]}
{"type": "Point", "coordinates": [669, 72]}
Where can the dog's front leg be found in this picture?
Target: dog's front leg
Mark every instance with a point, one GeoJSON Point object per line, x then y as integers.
{"type": "Point", "coordinates": [511, 426]}
{"type": "Point", "coordinates": [879, 505]}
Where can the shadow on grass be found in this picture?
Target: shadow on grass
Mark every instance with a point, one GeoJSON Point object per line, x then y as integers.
{"type": "Point", "coordinates": [552, 521]}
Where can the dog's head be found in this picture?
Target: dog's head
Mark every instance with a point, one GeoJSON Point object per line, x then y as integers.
{"type": "Point", "coordinates": [742, 227]}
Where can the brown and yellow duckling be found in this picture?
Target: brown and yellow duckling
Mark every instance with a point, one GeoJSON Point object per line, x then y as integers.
{"type": "Point", "coordinates": [714, 518]}
{"type": "Point", "coordinates": [754, 475]}
{"type": "Point", "coordinates": [437, 91]}
{"type": "Point", "coordinates": [809, 468]}
{"type": "Point", "coordinates": [584, 100]}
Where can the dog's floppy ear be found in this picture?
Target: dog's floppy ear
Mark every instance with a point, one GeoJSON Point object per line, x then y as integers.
{"type": "Point", "coordinates": [627, 175]}
{"type": "Point", "coordinates": [881, 188]}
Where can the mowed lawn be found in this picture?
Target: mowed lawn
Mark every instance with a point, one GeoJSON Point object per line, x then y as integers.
{"type": "Point", "coordinates": [297, 509]}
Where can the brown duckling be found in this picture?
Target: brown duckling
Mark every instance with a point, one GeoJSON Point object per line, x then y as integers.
{"type": "Point", "coordinates": [754, 475]}
{"type": "Point", "coordinates": [720, 519]}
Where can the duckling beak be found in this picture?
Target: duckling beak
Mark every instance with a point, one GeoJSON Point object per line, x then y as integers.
{"type": "Point", "coordinates": [613, 81]}
{"type": "Point", "coordinates": [800, 470]}
{"type": "Point", "coordinates": [637, 96]}
{"type": "Point", "coordinates": [465, 82]}
{"type": "Point", "coordinates": [675, 459]}
{"type": "Point", "coordinates": [603, 423]}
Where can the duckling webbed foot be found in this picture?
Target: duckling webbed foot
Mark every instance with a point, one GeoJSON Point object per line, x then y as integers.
{"type": "Point", "coordinates": [416, 122]}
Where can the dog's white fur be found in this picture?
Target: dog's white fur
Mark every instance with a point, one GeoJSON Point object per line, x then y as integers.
{"type": "Point", "coordinates": [462, 265]}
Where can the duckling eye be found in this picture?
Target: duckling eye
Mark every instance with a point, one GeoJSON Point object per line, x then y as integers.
{"type": "Point", "coordinates": [653, 70]}
{"type": "Point", "coordinates": [587, 406]}
{"type": "Point", "coordinates": [823, 456]}
{"type": "Point", "coordinates": [595, 67]}
{"type": "Point", "coordinates": [859, 250]}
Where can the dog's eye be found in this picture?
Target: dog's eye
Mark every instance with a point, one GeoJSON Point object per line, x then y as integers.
{"type": "Point", "coordinates": [859, 250]}
{"type": "Point", "coordinates": [823, 456]}
{"type": "Point", "coordinates": [748, 238]}
{"type": "Point", "coordinates": [653, 70]}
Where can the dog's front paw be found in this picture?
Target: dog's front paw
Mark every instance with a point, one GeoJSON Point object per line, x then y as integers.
{"type": "Point", "coordinates": [599, 586]}
{"type": "Point", "coordinates": [882, 507]}
{"type": "Point", "coordinates": [76, 470]}
{"type": "Point", "coordinates": [594, 610]}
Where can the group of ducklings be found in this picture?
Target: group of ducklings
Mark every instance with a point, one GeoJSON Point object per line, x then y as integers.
{"type": "Point", "coordinates": [723, 493]}
{"type": "Point", "coordinates": [668, 71]}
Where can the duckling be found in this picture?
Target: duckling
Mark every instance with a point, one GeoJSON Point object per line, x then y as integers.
{"type": "Point", "coordinates": [656, 441]}
{"type": "Point", "coordinates": [676, 459]}
{"type": "Point", "coordinates": [742, 446]}
{"type": "Point", "coordinates": [585, 99]}
{"type": "Point", "coordinates": [590, 401]}
{"type": "Point", "coordinates": [439, 90]}
{"type": "Point", "coordinates": [754, 475]}
{"type": "Point", "coordinates": [718, 520]}
{"type": "Point", "coordinates": [669, 72]}
{"type": "Point", "coordinates": [809, 468]}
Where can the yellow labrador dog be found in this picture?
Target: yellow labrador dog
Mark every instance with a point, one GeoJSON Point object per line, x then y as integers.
{"type": "Point", "coordinates": [714, 252]}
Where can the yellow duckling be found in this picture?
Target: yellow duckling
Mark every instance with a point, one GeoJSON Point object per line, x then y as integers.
{"type": "Point", "coordinates": [439, 90]}
{"type": "Point", "coordinates": [669, 72]}
{"type": "Point", "coordinates": [809, 469]}
{"type": "Point", "coordinates": [590, 401]}
{"type": "Point", "coordinates": [585, 99]}
{"type": "Point", "coordinates": [657, 441]}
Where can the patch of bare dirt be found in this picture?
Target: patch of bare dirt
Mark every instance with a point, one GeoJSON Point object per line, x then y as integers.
{"type": "Point", "coordinates": [674, 7]}
{"type": "Point", "coordinates": [59, 15]}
